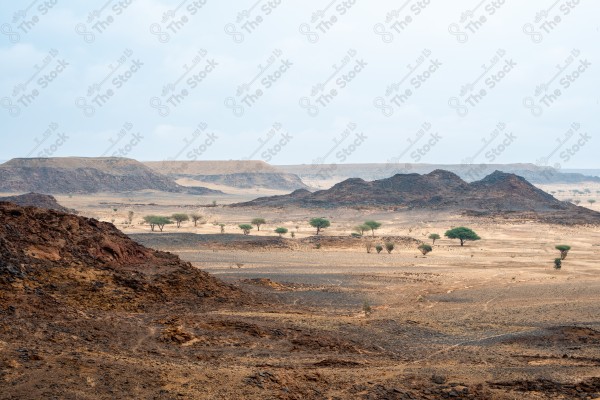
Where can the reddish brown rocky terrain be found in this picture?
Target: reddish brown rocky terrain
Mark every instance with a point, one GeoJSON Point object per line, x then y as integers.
{"type": "Point", "coordinates": [37, 200]}
{"type": "Point", "coordinates": [87, 313]}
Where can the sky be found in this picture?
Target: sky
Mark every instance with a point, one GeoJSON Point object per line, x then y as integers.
{"type": "Point", "coordinates": [302, 82]}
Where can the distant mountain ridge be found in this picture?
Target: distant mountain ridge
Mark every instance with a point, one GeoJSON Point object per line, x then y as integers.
{"type": "Point", "coordinates": [438, 190]}
{"type": "Point", "coordinates": [468, 172]}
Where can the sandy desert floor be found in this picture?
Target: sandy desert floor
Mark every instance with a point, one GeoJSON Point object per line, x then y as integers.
{"type": "Point", "coordinates": [492, 319]}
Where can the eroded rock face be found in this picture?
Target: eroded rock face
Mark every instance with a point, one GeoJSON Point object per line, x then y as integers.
{"type": "Point", "coordinates": [85, 261]}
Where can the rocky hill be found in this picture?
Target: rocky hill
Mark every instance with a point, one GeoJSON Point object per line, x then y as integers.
{"type": "Point", "coordinates": [37, 200]}
{"type": "Point", "coordinates": [246, 174]}
{"type": "Point", "coordinates": [499, 192]}
{"type": "Point", "coordinates": [84, 175]}
{"type": "Point", "coordinates": [468, 172]}
{"type": "Point", "coordinates": [82, 261]}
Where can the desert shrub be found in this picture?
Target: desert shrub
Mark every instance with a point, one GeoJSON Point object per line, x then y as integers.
{"type": "Point", "coordinates": [379, 248]}
{"type": "Point", "coordinates": [246, 228]}
{"type": "Point", "coordinates": [319, 223]}
{"type": "Point", "coordinates": [222, 227]}
{"type": "Point", "coordinates": [292, 234]}
{"type": "Point", "coordinates": [281, 231]}
{"type": "Point", "coordinates": [369, 246]}
{"type": "Point", "coordinates": [355, 235]}
{"type": "Point", "coordinates": [130, 217]}
{"type": "Point", "coordinates": [564, 250]}
{"type": "Point", "coordinates": [557, 263]}
{"type": "Point", "coordinates": [461, 233]}
{"type": "Point", "coordinates": [434, 237]}
{"type": "Point", "coordinates": [389, 246]}
{"type": "Point", "coordinates": [367, 308]}
{"type": "Point", "coordinates": [318, 246]}
{"type": "Point", "coordinates": [425, 248]}
{"type": "Point", "coordinates": [179, 218]}
{"type": "Point", "coordinates": [258, 222]}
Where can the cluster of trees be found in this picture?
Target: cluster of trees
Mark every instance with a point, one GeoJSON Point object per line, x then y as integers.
{"type": "Point", "coordinates": [158, 221]}
{"type": "Point", "coordinates": [246, 228]}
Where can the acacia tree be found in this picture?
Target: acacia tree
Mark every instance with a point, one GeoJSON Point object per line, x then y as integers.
{"type": "Point", "coordinates": [320, 224]}
{"type": "Point", "coordinates": [372, 225]}
{"type": "Point", "coordinates": [246, 228]}
{"type": "Point", "coordinates": [157, 221]}
{"type": "Point", "coordinates": [434, 237]}
{"type": "Point", "coordinates": [461, 233]}
{"type": "Point", "coordinates": [361, 229]}
{"type": "Point", "coordinates": [564, 250]}
{"type": "Point", "coordinates": [591, 201]}
{"type": "Point", "coordinates": [281, 231]}
{"type": "Point", "coordinates": [195, 217]}
{"type": "Point", "coordinates": [179, 218]}
{"type": "Point", "coordinates": [258, 222]}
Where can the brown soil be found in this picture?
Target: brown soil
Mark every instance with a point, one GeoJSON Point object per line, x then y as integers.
{"type": "Point", "coordinates": [86, 313]}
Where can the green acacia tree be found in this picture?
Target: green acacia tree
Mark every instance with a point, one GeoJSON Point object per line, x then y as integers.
{"type": "Point", "coordinates": [461, 233]}
{"type": "Point", "coordinates": [564, 250]}
{"type": "Point", "coordinates": [179, 218]}
{"type": "Point", "coordinates": [258, 222]}
{"type": "Point", "coordinates": [319, 223]}
{"type": "Point", "coordinates": [372, 225]}
{"type": "Point", "coordinates": [434, 237]}
{"type": "Point", "coordinates": [281, 231]}
{"type": "Point", "coordinates": [246, 228]}
{"type": "Point", "coordinates": [157, 221]}
{"type": "Point", "coordinates": [361, 229]}
{"type": "Point", "coordinates": [195, 217]}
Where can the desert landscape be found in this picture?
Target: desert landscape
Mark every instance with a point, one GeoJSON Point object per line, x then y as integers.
{"type": "Point", "coordinates": [95, 304]}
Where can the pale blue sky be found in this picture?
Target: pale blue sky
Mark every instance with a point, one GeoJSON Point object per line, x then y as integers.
{"type": "Point", "coordinates": [407, 80]}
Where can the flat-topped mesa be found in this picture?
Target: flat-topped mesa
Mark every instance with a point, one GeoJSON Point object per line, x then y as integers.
{"type": "Point", "coordinates": [241, 174]}
{"type": "Point", "coordinates": [83, 175]}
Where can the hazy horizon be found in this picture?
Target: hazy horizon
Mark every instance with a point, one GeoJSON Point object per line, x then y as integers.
{"type": "Point", "coordinates": [317, 82]}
